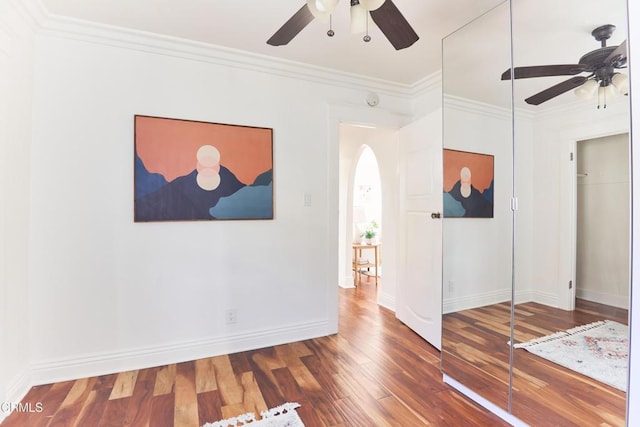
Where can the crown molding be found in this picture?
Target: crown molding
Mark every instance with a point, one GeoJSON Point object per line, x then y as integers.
{"type": "Point", "coordinates": [19, 20]}
{"type": "Point", "coordinates": [427, 84]}
{"type": "Point", "coordinates": [476, 107]}
{"type": "Point", "coordinates": [31, 12]}
{"type": "Point", "coordinates": [92, 32]}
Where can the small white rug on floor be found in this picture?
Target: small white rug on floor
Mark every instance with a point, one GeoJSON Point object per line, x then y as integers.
{"type": "Point", "coordinates": [281, 416]}
{"type": "Point", "coordinates": [599, 350]}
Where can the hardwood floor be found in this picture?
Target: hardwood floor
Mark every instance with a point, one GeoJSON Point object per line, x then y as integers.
{"type": "Point", "coordinates": [374, 372]}
{"type": "Point", "coordinates": [544, 394]}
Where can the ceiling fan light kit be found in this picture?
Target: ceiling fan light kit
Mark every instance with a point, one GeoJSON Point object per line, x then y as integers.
{"type": "Point", "coordinates": [587, 89]}
{"type": "Point", "coordinates": [383, 13]}
{"type": "Point", "coordinates": [602, 63]}
{"type": "Point", "coordinates": [359, 17]}
{"type": "Point", "coordinates": [322, 9]}
{"type": "Point", "coordinates": [621, 82]}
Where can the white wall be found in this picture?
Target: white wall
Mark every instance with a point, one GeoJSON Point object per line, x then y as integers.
{"type": "Point", "coordinates": [16, 56]}
{"type": "Point", "coordinates": [108, 294]}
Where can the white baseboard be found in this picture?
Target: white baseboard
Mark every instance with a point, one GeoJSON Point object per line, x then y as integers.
{"type": "Point", "coordinates": [17, 389]}
{"type": "Point", "coordinates": [347, 282]}
{"type": "Point", "coordinates": [387, 301]}
{"type": "Point", "coordinates": [45, 372]}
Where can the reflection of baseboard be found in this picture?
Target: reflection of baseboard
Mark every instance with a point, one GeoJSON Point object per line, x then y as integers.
{"type": "Point", "coordinates": [619, 301]}
{"type": "Point", "coordinates": [450, 305]}
{"type": "Point", "coordinates": [544, 298]}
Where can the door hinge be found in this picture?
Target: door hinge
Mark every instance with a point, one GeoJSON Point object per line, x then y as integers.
{"type": "Point", "coordinates": [570, 284]}
{"type": "Point", "coordinates": [571, 156]}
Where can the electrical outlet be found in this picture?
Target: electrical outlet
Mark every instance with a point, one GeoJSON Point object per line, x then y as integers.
{"type": "Point", "coordinates": [231, 316]}
{"type": "Point", "coordinates": [451, 286]}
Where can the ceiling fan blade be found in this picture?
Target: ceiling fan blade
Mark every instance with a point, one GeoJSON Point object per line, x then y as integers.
{"type": "Point", "coordinates": [618, 56]}
{"type": "Point", "coordinates": [292, 27]}
{"type": "Point", "coordinates": [545, 71]}
{"type": "Point", "coordinates": [556, 90]}
{"type": "Point", "coordinates": [394, 26]}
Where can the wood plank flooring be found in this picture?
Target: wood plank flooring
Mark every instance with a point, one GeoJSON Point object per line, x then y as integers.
{"type": "Point", "coordinates": [544, 394]}
{"type": "Point", "coordinates": [374, 372]}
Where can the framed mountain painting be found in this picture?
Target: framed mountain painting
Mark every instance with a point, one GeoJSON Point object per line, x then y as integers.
{"type": "Point", "coordinates": [186, 170]}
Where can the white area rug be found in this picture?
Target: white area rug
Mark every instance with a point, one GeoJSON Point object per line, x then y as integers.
{"type": "Point", "coordinates": [599, 350]}
{"type": "Point", "coordinates": [281, 416]}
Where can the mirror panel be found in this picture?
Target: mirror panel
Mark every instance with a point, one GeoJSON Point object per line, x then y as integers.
{"type": "Point", "coordinates": [563, 256]}
{"type": "Point", "coordinates": [568, 213]}
{"type": "Point", "coordinates": [477, 273]}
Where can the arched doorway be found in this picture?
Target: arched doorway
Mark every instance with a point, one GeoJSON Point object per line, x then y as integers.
{"type": "Point", "coordinates": [367, 197]}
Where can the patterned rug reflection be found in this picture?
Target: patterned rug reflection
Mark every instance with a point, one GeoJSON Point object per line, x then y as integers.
{"type": "Point", "coordinates": [599, 350]}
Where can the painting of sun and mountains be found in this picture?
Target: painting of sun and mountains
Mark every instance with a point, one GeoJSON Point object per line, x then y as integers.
{"type": "Point", "coordinates": [468, 184]}
{"type": "Point", "coordinates": [190, 170]}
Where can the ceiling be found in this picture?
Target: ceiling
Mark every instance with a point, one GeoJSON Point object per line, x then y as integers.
{"type": "Point", "coordinates": [545, 32]}
{"type": "Point", "coordinates": [247, 24]}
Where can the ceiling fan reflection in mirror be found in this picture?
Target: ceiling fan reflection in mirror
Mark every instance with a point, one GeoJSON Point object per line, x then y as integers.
{"type": "Point", "coordinates": [384, 13]}
{"type": "Point", "coordinates": [601, 64]}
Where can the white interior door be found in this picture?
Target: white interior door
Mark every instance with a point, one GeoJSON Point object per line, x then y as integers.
{"type": "Point", "coordinates": [419, 289]}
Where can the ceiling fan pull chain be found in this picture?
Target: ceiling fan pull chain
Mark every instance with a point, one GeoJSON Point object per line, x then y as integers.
{"type": "Point", "coordinates": [599, 93]}
{"type": "Point", "coordinates": [331, 33]}
{"type": "Point", "coordinates": [367, 37]}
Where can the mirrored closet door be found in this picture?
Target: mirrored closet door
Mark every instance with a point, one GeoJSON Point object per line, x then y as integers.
{"type": "Point", "coordinates": [572, 227]}
{"type": "Point", "coordinates": [549, 271]}
{"type": "Point", "coordinates": [477, 224]}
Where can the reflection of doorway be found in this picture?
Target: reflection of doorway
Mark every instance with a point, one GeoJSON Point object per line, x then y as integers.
{"type": "Point", "coordinates": [602, 220]}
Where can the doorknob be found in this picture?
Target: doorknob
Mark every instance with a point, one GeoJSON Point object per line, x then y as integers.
{"type": "Point", "coordinates": [435, 215]}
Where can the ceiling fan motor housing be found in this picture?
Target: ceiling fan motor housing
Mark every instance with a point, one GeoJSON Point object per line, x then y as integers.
{"type": "Point", "coordinates": [603, 33]}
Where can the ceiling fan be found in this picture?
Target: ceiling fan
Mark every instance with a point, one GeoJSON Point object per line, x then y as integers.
{"type": "Point", "coordinates": [383, 12]}
{"type": "Point", "coordinates": [601, 64]}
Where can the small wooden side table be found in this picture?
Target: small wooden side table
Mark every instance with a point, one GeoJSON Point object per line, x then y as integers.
{"type": "Point", "coordinates": [357, 253]}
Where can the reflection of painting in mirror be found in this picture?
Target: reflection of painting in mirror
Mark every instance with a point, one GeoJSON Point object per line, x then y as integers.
{"type": "Point", "coordinates": [468, 184]}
